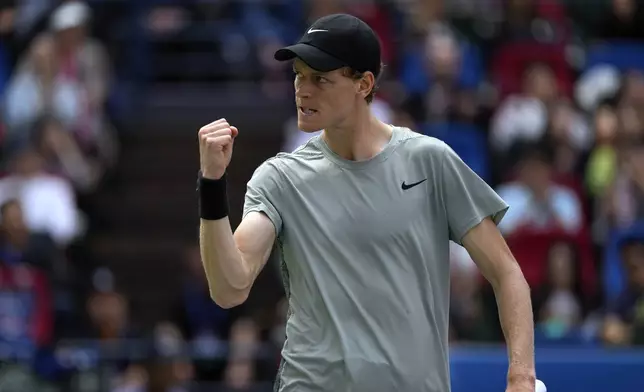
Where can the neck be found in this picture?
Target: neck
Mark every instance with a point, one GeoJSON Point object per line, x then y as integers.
{"type": "Point", "coordinates": [359, 138]}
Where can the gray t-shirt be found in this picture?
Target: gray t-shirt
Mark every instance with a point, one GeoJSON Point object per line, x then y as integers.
{"type": "Point", "coordinates": [365, 259]}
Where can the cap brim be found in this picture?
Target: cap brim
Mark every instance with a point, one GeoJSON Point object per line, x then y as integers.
{"type": "Point", "coordinates": [312, 56]}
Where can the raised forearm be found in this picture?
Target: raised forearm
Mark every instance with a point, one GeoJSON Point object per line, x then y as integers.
{"type": "Point", "coordinates": [229, 277]}
{"type": "Point", "coordinates": [515, 313]}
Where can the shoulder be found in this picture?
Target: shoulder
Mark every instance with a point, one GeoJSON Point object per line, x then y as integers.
{"type": "Point", "coordinates": [285, 165]}
{"type": "Point", "coordinates": [423, 149]}
{"type": "Point", "coordinates": [415, 142]}
{"type": "Point", "coordinates": [301, 157]}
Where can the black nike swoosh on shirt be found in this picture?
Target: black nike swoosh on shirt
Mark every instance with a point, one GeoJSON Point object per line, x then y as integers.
{"type": "Point", "coordinates": [408, 186]}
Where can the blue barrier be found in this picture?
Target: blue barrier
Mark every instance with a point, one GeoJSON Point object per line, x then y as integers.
{"type": "Point", "coordinates": [473, 368]}
{"type": "Point", "coordinates": [562, 369]}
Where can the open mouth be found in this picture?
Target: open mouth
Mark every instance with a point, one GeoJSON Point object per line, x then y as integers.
{"type": "Point", "coordinates": [306, 111]}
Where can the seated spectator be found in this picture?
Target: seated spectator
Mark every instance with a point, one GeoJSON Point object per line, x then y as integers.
{"type": "Point", "coordinates": [108, 311]}
{"type": "Point", "coordinates": [441, 83]}
{"type": "Point", "coordinates": [524, 117]}
{"type": "Point", "coordinates": [241, 371]}
{"type": "Point", "coordinates": [112, 333]}
{"type": "Point", "coordinates": [525, 20]}
{"type": "Point", "coordinates": [25, 312]}
{"type": "Point", "coordinates": [624, 322]}
{"type": "Point", "coordinates": [624, 21]}
{"type": "Point", "coordinates": [7, 40]}
{"type": "Point", "coordinates": [538, 203]}
{"type": "Point", "coordinates": [559, 302]}
{"type": "Point", "coordinates": [199, 319]}
{"type": "Point", "coordinates": [173, 372]}
{"type": "Point", "coordinates": [197, 315]}
{"type": "Point", "coordinates": [625, 201]}
{"type": "Point", "coordinates": [240, 377]}
{"type": "Point", "coordinates": [602, 162]}
{"type": "Point", "coordinates": [48, 202]}
{"type": "Point", "coordinates": [63, 155]}
{"type": "Point", "coordinates": [569, 136]}
{"type": "Point", "coordinates": [20, 246]}
{"type": "Point", "coordinates": [64, 74]}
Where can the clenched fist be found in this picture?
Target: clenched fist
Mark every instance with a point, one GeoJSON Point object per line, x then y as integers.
{"type": "Point", "coordinates": [216, 148]}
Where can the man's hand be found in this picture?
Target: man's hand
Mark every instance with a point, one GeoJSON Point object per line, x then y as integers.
{"type": "Point", "coordinates": [216, 148]}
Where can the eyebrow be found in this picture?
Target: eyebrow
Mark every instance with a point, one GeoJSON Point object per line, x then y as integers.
{"type": "Point", "coordinates": [314, 73]}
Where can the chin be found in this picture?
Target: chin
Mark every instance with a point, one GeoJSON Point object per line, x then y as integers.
{"type": "Point", "coordinates": [308, 126]}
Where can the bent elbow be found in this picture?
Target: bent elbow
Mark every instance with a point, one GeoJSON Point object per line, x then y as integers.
{"type": "Point", "coordinates": [228, 301]}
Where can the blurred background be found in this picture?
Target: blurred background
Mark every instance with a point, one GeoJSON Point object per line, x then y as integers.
{"type": "Point", "coordinates": [101, 286]}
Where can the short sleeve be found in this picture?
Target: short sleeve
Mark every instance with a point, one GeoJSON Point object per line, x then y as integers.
{"type": "Point", "coordinates": [262, 193]}
{"type": "Point", "coordinates": [468, 199]}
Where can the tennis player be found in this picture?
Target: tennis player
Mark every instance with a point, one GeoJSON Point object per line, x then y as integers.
{"type": "Point", "coordinates": [363, 215]}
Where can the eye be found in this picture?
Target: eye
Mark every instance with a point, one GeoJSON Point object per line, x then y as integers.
{"type": "Point", "coordinates": [321, 79]}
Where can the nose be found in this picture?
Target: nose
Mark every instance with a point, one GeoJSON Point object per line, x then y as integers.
{"type": "Point", "coordinates": [302, 92]}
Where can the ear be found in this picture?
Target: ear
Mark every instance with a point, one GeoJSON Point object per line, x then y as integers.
{"type": "Point", "coordinates": [366, 84]}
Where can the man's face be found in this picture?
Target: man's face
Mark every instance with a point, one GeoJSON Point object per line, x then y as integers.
{"type": "Point", "coordinates": [540, 82]}
{"type": "Point", "coordinates": [28, 163]}
{"type": "Point", "coordinates": [70, 39]}
{"type": "Point", "coordinates": [633, 256]}
{"type": "Point", "coordinates": [12, 219]}
{"type": "Point", "coordinates": [323, 99]}
{"type": "Point", "coordinates": [536, 175]}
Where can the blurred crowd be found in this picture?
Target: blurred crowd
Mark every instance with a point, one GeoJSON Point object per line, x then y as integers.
{"type": "Point", "coordinates": [544, 99]}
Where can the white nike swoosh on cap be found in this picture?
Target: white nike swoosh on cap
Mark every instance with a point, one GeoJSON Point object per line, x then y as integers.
{"type": "Point", "coordinates": [316, 31]}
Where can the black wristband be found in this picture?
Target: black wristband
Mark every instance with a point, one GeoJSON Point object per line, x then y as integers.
{"type": "Point", "coordinates": [213, 199]}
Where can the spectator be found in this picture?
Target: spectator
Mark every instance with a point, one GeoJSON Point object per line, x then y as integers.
{"type": "Point", "coordinates": [569, 136]}
{"type": "Point", "coordinates": [442, 82]}
{"type": "Point", "coordinates": [538, 203]}
{"type": "Point", "coordinates": [559, 306]}
{"type": "Point", "coordinates": [240, 373]}
{"type": "Point", "coordinates": [109, 323]}
{"type": "Point", "coordinates": [625, 20]}
{"type": "Point", "coordinates": [624, 324]}
{"type": "Point", "coordinates": [625, 202]}
{"type": "Point", "coordinates": [48, 201]}
{"type": "Point", "coordinates": [197, 316]}
{"type": "Point", "coordinates": [20, 246]}
{"type": "Point", "coordinates": [65, 74]}
{"type": "Point", "coordinates": [199, 319]}
{"type": "Point", "coordinates": [25, 312]}
{"type": "Point", "coordinates": [524, 117]}
{"type": "Point", "coordinates": [602, 163]}
{"type": "Point", "coordinates": [240, 377]}
{"type": "Point", "coordinates": [174, 370]}
{"type": "Point", "coordinates": [63, 155]}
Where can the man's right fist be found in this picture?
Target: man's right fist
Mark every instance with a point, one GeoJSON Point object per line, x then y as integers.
{"type": "Point", "coordinates": [216, 148]}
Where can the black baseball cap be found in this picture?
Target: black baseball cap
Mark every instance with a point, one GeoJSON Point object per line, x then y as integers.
{"type": "Point", "coordinates": [336, 41]}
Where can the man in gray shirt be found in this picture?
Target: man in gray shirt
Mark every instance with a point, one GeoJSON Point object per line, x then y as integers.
{"type": "Point", "coordinates": [363, 215]}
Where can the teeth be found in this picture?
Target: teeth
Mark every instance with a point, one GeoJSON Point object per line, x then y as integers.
{"type": "Point", "coordinates": [307, 112]}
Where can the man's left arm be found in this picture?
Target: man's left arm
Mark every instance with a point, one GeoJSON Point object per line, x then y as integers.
{"type": "Point", "coordinates": [491, 254]}
{"type": "Point", "coordinates": [473, 211]}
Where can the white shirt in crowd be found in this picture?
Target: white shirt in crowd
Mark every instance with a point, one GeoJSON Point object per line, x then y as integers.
{"type": "Point", "coordinates": [48, 203]}
{"type": "Point", "coordinates": [562, 209]}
